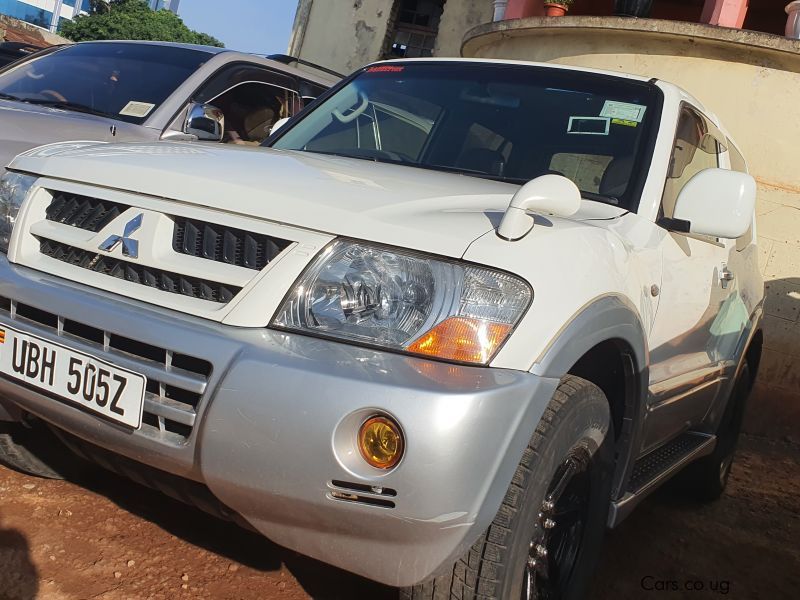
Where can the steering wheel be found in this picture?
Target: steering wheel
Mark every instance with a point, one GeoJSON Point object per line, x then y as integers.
{"type": "Point", "coordinates": [53, 94]}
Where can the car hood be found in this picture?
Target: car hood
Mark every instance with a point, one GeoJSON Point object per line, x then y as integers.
{"type": "Point", "coordinates": [24, 126]}
{"type": "Point", "coordinates": [397, 205]}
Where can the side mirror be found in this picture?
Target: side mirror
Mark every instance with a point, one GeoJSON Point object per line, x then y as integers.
{"type": "Point", "coordinates": [717, 202]}
{"type": "Point", "coordinates": [205, 121]}
{"type": "Point", "coordinates": [278, 124]}
{"type": "Point", "coordinates": [548, 195]}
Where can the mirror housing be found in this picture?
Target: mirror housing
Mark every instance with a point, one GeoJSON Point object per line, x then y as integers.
{"type": "Point", "coordinates": [204, 121]}
{"type": "Point", "coordinates": [717, 202]}
{"type": "Point", "coordinates": [278, 124]}
{"type": "Point", "coordinates": [547, 195]}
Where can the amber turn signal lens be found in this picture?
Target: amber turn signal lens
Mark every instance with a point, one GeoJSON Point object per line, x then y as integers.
{"type": "Point", "coordinates": [462, 339]}
{"type": "Point", "coordinates": [380, 442]}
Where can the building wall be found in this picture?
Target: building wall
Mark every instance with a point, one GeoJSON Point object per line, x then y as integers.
{"type": "Point", "coordinates": [752, 82]}
{"type": "Point", "coordinates": [458, 18]}
{"type": "Point", "coordinates": [347, 34]}
{"type": "Point", "coordinates": [342, 34]}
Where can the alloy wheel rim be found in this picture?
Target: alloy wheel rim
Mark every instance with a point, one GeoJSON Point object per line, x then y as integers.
{"type": "Point", "coordinates": [555, 546]}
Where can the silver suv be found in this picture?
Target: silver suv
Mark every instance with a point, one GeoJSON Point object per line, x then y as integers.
{"type": "Point", "coordinates": [143, 91]}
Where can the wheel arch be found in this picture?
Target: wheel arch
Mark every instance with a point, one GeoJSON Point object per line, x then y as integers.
{"type": "Point", "coordinates": [606, 344]}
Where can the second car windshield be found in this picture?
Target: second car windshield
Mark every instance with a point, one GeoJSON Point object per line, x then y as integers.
{"type": "Point", "coordinates": [505, 122]}
{"type": "Point", "coordinates": [120, 80]}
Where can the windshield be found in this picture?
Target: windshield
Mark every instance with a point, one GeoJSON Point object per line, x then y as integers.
{"type": "Point", "coordinates": [121, 81]}
{"type": "Point", "coordinates": [505, 122]}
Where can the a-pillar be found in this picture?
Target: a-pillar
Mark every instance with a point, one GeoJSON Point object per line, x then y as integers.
{"type": "Point", "coordinates": [726, 13]}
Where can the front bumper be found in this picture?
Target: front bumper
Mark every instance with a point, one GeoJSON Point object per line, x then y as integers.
{"type": "Point", "coordinates": [275, 427]}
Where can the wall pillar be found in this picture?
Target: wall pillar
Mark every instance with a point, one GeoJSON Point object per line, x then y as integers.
{"type": "Point", "coordinates": [302, 14]}
{"type": "Point", "coordinates": [725, 13]}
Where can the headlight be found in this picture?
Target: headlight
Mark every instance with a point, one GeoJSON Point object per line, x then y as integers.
{"type": "Point", "coordinates": [14, 188]}
{"type": "Point", "coordinates": [405, 302]}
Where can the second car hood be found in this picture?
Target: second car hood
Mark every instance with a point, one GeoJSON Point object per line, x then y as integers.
{"type": "Point", "coordinates": [397, 205]}
{"type": "Point", "coordinates": [24, 126]}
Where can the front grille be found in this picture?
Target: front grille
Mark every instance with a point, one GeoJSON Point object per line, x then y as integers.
{"type": "Point", "coordinates": [225, 244]}
{"type": "Point", "coordinates": [136, 273]}
{"type": "Point", "coordinates": [91, 214]}
{"type": "Point", "coordinates": [176, 382]}
{"type": "Point", "coordinates": [194, 238]}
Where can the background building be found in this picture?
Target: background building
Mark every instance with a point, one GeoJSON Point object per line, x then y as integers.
{"type": "Point", "coordinates": [48, 13]}
{"type": "Point", "coordinates": [343, 35]}
{"type": "Point", "coordinates": [165, 5]}
{"type": "Point", "coordinates": [42, 13]}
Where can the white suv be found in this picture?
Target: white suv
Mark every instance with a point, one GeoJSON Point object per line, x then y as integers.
{"type": "Point", "coordinates": [460, 318]}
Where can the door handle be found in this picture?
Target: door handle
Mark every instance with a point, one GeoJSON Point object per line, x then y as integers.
{"type": "Point", "coordinates": [725, 276]}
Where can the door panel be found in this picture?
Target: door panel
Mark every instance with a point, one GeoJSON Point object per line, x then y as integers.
{"type": "Point", "coordinates": [686, 357]}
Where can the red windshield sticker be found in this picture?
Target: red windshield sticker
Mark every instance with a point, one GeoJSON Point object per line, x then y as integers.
{"type": "Point", "coordinates": [386, 69]}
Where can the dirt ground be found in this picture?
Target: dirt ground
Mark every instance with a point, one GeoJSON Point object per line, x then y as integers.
{"type": "Point", "coordinates": [111, 539]}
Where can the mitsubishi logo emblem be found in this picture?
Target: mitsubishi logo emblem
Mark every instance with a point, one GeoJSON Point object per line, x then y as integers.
{"type": "Point", "coordinates": [130, 247]}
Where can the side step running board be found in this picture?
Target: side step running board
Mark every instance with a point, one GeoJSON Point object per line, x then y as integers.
{"type": "Point", "coordinates": [654, 468]}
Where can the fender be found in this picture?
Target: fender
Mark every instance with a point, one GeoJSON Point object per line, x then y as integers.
{"type": "Point", "coordinates": [607, 317]}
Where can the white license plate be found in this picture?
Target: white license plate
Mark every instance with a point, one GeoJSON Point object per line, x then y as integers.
{"type": "Point", "coordinates": [88, 382]}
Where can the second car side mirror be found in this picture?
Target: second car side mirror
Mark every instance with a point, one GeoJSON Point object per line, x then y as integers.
{"type": "Point", "coordinates": [205, 121]}
{"type": "Point", "coordinates": [718, 203]}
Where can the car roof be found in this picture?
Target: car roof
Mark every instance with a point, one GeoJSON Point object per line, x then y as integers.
{"type": "Point", "coordinates": [527, 63]}
{"type": "Point", "coordinates": [318, 75]}
{"type": "Point", "coordinates": [208, 49]}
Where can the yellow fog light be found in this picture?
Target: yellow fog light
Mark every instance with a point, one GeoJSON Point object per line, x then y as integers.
{"type": "Point", "coordinates": [380, 442]}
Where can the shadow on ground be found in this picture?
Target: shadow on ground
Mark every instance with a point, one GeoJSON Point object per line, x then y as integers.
{"type": "Point", "coordinates": [19, 578]}
{"type": "Point", "coordinates": [320, 581]}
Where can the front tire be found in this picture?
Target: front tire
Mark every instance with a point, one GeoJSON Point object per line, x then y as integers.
{"type": "Point", "coordinates": [544, 541]}
{"type": "Point", "coordinates": [33, 450]}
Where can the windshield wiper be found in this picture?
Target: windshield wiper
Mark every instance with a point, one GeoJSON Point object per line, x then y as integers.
{"type": "Point", "coordinates": [600, 198]}
{"type": "Point", "coordinates": [366, 154]}
{"type": "Point", "coordinates": [74, 106]}
{"type": "Point", "coordinates": [4, 96]}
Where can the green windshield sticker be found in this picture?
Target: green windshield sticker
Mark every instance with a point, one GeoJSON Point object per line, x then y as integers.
{"type": "Point", "coordinates": [625, 122]}
{"type": "Point", "coordinates": [623, 110]}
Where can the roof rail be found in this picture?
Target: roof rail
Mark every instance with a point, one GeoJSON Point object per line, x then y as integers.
{"type": "Point", "coordinates": [288, 60]}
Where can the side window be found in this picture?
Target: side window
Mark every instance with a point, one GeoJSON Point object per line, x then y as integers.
{"type": "Point", "coordinates": [693, 152]}
{"type": "Point", "coordinates": [310, 91]}
{"type": "Point", "coordinates": [737, 160]}
{"type": "Point", "coordinates": [252, 100]}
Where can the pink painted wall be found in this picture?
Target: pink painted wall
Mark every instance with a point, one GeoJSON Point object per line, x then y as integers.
{"type": "Point", "coordinates": [761, 15]}
{"type": "Point", "coordinates": [726, 13]}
